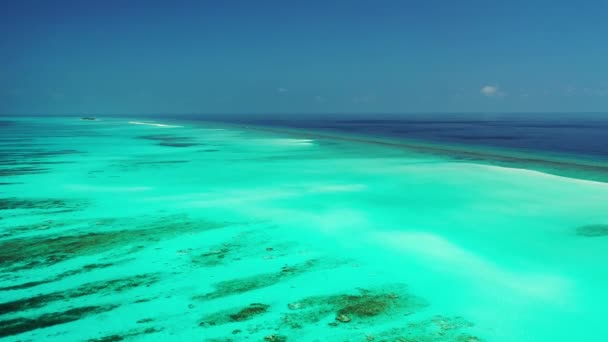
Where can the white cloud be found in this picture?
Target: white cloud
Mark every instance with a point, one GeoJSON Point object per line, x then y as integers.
{"type": "Point", "coordinates": [491, 91]}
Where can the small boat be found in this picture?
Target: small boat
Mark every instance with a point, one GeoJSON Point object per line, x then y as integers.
{"type": "Point", "coordinates": [90, 118]}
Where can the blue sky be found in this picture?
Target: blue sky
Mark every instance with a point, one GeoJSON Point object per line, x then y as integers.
{"type": "Point", "coordinates": [302, 56]}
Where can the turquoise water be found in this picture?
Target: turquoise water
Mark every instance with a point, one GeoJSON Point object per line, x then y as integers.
{"type": "Point", "coordinates": [114, 229]}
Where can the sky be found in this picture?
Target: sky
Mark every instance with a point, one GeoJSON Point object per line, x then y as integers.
{"type": "Point", "coordinates": [297, 57]}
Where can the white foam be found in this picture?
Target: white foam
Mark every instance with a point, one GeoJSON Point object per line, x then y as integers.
{"type": "Point", "coordinates": [285, 142]}
{"type": "Point", "coordinates": [495, 170]}
{"type": "Point", "coordinates": [539, 174]}
{"type": "Point", "coordinates": [152, 124]}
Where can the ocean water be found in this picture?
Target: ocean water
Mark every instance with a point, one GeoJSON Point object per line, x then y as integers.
{"type": "Point", "coordinates": [582, 134]}
{"type": "Point", "coordinates": [158, 230]}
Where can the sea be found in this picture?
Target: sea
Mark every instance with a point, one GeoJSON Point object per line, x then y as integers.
{"type": "Point", "coordinates": [344, 227]}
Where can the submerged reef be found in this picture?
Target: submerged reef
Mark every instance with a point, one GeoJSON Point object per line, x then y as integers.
{"type": "Point", "coordinates": [366, 305]}
{"type": "Point", "coordinates": [47, 225]}
{"type": "Point", "coordinates": [235, 315]}
{"type": "Point", "coordinates": [112, 286]}
{"type": "Point", "coordinates": [359, 315]}
{"type": "Point", "coordinates": [249, 312]}
{"type": "Point", "coordinates": [20, 325]}
{"type": "Point", "coordinates": [31, 252]}
{"type": "Point", "coordinates": [18, 171]}
{"type": "Point", "coordinates": [57, 269]}
{"type": "Point", "coordinates": [170, 140]}
{"type": "Point", "coordinates": [83, 269]}
{"type": "Point", "coordinates": [28, 161]}
{"type": "Point", "coordinates": [241, 246]}
{"type": "Point", "coordinates": [35, 203]}
{"type": "Point", "coordinates": [436, 329]}
{"type": "Point", "coordinates": [593, 230]}
{"type": "Point", "coordinates": [126, 335]}
{"type": "Point", "coordinates": [258, 281]}
{"type": "Point", "coordinates": [138, 164]}
{"type": "Point", "coordinates": [26, 253]}
{"type": "Point", "coordinates": [214, 257]}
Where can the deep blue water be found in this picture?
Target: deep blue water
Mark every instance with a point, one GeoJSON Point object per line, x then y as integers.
{"type": "Point", "coordinates": [580, 134]}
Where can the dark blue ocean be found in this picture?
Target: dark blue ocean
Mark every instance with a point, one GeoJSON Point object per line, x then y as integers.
{"type": "Point", "coordinates": [584, 135]}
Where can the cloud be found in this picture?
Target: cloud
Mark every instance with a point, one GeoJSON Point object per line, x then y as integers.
{"type": "Point", "coordinates": [282, 90]}
{"type": "Point", "coordinates": [491, 91]}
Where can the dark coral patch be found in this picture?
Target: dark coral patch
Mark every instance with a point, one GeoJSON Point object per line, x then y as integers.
{"type": "Point", "coordinates": [352, 314]}
{"type": "Point", "coordinates": [125, 336]}
{"type": "Point", "coordinates": [344, 308]}
{"type": "Point", "coordinates": [84, 269]}
{"type": "Point", "coordinates": [107, 286]}
{"type": "Point", "coordinates": [40, 251]}
{"type": "Point", "coordinates": [158, 137]}
{"type": "Point", "coordinates": [275, 338]}
{"type": "Point", "coordinates": [230, 316]}
{"type": "Point", "coordinates": [241, 285]}
{"type": "Point", "coordinates": [25, 285]}
{"type": "Point", "coordinates": [145, 320]}
{"type": "Point", "coordinates": [20, 325]}
{"type": "Point", "coordinates": [363, 306]}
{"type": "Point", "coordinates": [249, 312]}
{"type": "Point", "coordinates": [43, 204]}
{"type": "Point", "coordinates": [28, 154]}
{"type": "Point", "coordinates": [137, 164]}
{"type": "Point", "coordinates": [258, 281]}
{"type": "Point", "coordinates": [170, 140]}
{"type": "Point", "coordinates": [32, 162]}
{"type": "Point", "coordinates": [31, 252]}
{"type": "Point", "coordinates": [593, 230]}
{"type": "Point", "coordinates": [213, 257]}
{"type": "Point", "coordinates": [109, 338]}
{"type": "Point", "coordinates": [20, 171]}
{"type": "Point", "coordinates": [35, 227]}
{"type": "Point", "coordinates": [177, 144]}
{"type": "Point", "coordinates": [28, 161]}
{"type": "Point", "coordinates": [241, 246]}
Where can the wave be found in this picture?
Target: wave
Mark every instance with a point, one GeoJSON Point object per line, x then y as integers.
{"type": "Point", "coordinates": [152, 124]}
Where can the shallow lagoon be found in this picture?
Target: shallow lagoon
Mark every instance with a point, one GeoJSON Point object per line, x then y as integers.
{"type": "Point", "coordinates": [114, 229]}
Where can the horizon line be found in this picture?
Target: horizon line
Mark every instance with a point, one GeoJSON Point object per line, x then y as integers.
{"type": "Point", "coordinates": [302, 113]}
